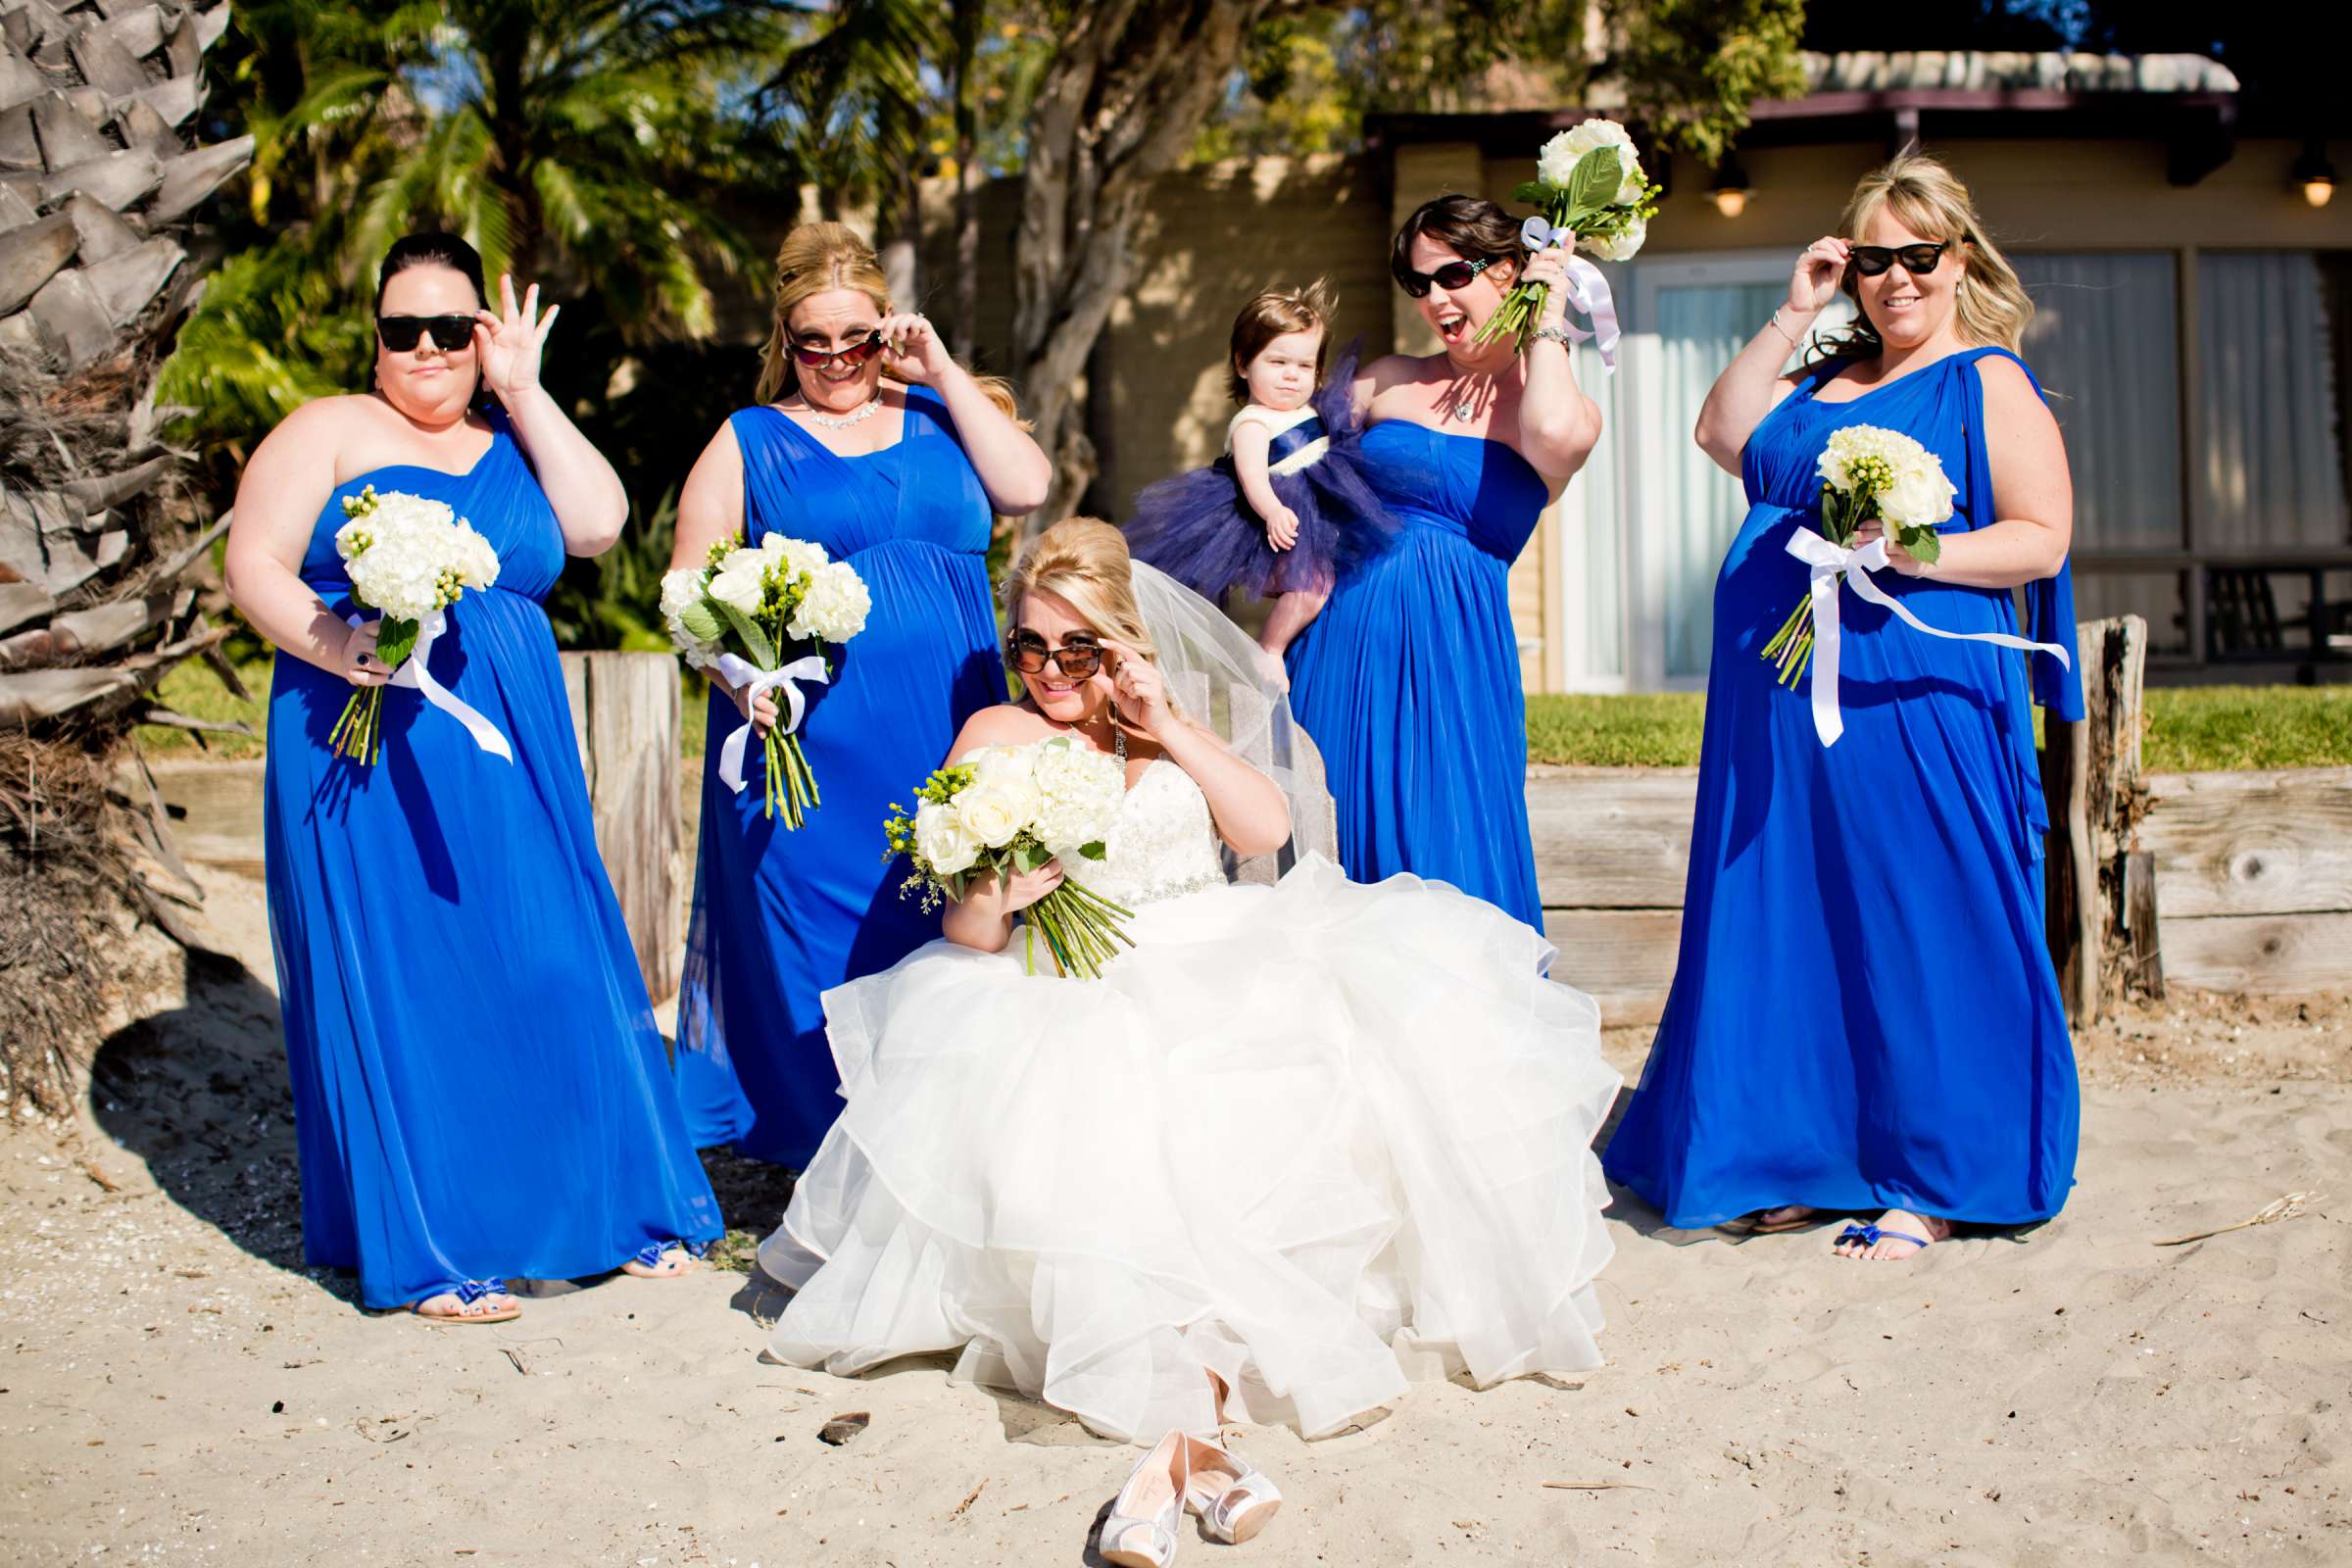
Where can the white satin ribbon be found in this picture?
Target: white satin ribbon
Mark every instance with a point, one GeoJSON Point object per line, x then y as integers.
{"type": "Point", "coordinates": [413, 674]}
{"type": "Point", "coordinates": [1829, 563]}
{"type": "Point", "coordinates": [1586, 288]}
{"type": "Point", "coordinates": [741, 673]}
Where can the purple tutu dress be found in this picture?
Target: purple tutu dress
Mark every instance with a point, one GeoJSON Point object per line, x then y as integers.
{"type": "Point", "coordinates": [1199, 529]}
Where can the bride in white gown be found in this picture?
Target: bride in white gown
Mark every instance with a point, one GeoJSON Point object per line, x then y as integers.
{"type": "Point", "coordinates": [1317, 1140]}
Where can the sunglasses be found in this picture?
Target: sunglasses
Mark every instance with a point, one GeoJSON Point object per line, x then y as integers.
{"type": "Point", "coordinates": [1918, 260]}
{"type": "Point", "coordinates": [1451, 276]}
{"type": "Point", "coordinates": [858, 353]}
{"type": "Point", "coordinates": [401, 333]}
{"type": "Point", "coordinates": [1028, 654]}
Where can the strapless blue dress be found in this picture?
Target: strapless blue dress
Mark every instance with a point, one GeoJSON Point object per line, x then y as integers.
{"type": "Point", "coordinates": [781, 916]}
{"type": "Point", "coordinates": [479, 1089]}
{"type": "Point", "coordinates": [1409, 683]}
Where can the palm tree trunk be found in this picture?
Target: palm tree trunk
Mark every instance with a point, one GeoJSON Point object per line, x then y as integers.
{"type": "Point", "coordinates": [968, 15]}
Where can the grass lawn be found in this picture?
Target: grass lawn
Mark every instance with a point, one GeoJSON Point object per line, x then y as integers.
{"type": "Point", "coordinates": [2190, 728]}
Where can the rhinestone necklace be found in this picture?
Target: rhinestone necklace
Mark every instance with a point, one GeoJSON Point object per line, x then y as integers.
{"type": "Point", "coordinates": [842, 422]}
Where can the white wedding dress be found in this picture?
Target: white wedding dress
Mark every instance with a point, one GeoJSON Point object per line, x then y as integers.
{"type": "Point", "coordinates": [1322, 1138]}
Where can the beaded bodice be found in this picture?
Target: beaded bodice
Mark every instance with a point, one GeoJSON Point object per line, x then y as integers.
{"type": "Point", "coordinates": [1163, 844]}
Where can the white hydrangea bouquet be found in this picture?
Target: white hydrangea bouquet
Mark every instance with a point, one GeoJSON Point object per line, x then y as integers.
{"type": "Point", "coordinates": [409, 558]}
{"type": "Point", "coordinates": [1588, 183]}
{"type": "Point", "coordinates": [1010, 809]}
{"type": "Point", "coordinates": [1868, 471]}
{"type": "Point", "coordinates": [740, 613]}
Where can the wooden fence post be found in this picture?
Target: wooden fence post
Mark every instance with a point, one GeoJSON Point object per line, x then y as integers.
{"type": "Point", "coordinates": [624, 712]}
{"type": "Point", "coordinates": [2101, 906]}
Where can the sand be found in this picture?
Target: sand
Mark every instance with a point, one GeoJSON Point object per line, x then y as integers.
{"type": "Point", "coordinates": [178, 1387]}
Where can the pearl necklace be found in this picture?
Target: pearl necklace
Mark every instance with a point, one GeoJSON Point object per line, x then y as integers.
{"type": "Point", "coordinates": [842, 422]}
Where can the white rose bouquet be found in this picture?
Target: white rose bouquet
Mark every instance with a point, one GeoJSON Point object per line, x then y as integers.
{"type": "Point", "coordinates": [1588, 183]}
{"type": "Point", "coordinates": [409, 558]}
{"type": "Point", "coordinates": [764, 600]}
{"type": "Point", "coordinates": [1866, 471]}
{"type": "Point", "coordinates": [1010, 809]}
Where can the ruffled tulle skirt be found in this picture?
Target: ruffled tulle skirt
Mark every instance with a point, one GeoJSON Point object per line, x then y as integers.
{"type": "Point", "coordinates": [1199, 529]}
{"type": "Point", "coordinates": [1323, 1139]}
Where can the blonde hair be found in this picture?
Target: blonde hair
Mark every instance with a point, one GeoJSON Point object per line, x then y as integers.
{"type": "Point", "coordinates": [1270, 315]}
{"type": "Point", "coordinates": [1990, 306]}
{"type": "Point", "coordinates": [1083, 562]}
{"type": "Point", "coordinates": [816, 259]}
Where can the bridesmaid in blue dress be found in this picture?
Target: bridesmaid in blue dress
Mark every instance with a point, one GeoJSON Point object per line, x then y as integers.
{"type": "Point", "coordinates": [900, 477]}
{"type": "Point", "coordinates": [479, 1089]}
{"type": "Point", "coordinates": [1864, 1018]}
{"type": "Point", "coordinates": [1409, 679]}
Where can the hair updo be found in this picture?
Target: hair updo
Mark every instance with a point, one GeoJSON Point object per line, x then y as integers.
{"type": "Point", "coordinates": [1081, 562]}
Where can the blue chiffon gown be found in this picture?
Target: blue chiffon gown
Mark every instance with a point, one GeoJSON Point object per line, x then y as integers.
{"type": "Point", "coordinates": [479, 1089]}
{"type": "Point", "coordinates": [1408, 680]}
{"type": "Point", "coordinates": [1864, 1014]}
{"type": "Point", "coordinates": [780, 916]}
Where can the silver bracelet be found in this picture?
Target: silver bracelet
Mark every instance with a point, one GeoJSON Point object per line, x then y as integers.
{"type": "Point", "coordinates": [1783, 331]}
{"type": "Point", "coordinates": [1557, 333]}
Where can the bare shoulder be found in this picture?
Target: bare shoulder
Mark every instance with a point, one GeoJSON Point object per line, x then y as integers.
{"type": "Point", "coordinates": [2007, 386]}
{"type": "Point", "coordinates": [1006, 724]}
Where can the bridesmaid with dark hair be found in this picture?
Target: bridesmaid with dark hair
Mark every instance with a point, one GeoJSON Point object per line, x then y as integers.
{"type": "Point", "coordinates": [479, 1090]}
{"type": "Point", "coordinates": [1408, 680]}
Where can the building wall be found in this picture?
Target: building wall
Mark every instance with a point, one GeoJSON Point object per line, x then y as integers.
{"type": "Point", "coordinates": [1218, 235]}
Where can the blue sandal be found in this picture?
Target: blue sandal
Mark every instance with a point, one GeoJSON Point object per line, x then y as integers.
{"type": "Point", "coordinates": [1872, 1236]}
{"type": "Point", "coordinates": [652, 1254]}
{"type": "Point", "coordinates": [469, 1292]}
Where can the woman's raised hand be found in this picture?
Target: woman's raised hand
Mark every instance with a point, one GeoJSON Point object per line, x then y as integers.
{"type": "Point", "coordinates": [1142, 690]}
{"type": "Point", "coordinates": [510, 342]}
{"type": "Point", "coordinates": [913, 351]}
{"type": "Point", "coordinates": [1818, 271]}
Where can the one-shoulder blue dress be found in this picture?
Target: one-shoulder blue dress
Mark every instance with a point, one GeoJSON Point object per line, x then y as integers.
{"type": "Point", "coordinates": [780, 916]}
{"type": "Point", "coordinates": [479, 1088]}
{"type": "Point", "coordinates": [1864, 1014]}
{"type": "Point", "coordinates": [1408, 680]}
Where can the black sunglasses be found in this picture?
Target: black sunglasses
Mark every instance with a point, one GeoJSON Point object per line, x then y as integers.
{"type": "Point", "coordinates": [401, 333]}
{"type": "Point", "coordinates": [1918, 260]}
{"type": "Point", "coordinates": [1453, 275]}
{"type": "Point", "coordinates": [1028, 654]}
{"type": "Point", "coordinates": [858, 353]}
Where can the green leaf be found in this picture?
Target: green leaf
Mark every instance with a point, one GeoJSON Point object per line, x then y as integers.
{"type": "Point", "coordinates": [755, 641]}
{"type": "Point", "coordinates": [1533, 192]}
{"type": "Point", "coordinates": [702, 622]}
{"type": "Point", "coordinates": [1921, 541]}
{"type": "Point", "coordinates": [395, 642]}
{"type": "Point", "coordinates": [1598, 174]}
{"type": "Point", "coordinates": [1094, 850]}
{"type": "Point", "coordinates": [1028, 857]}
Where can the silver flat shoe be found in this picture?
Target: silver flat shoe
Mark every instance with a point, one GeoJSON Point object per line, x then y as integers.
{"type": "Point", "coordinates": [1140, 1530]}
{"type": "Point", "coordinates": [1234, 1498]}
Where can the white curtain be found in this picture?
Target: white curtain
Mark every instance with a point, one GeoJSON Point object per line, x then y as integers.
{"type": "Point", "coordinates": [2272, 470]}
{"type": "Point", "coordinates": [2105, 344]}
{"type": "Point", "coordinates": [1692, 508]}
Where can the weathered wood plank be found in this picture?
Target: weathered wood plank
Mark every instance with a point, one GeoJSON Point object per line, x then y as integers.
{"type": "Point", "coordinates": [222, 807]}
{"type": "Point", "coordinates": [1612, 837]}
{"type": "Point", "coordinates": [2267, 843]}
{"type": "Point", "coordinates": [627, 715]}
{"type": "Point", "coordinates": [1624, 958]}
{"type": "Point", "coordinates": [2269, 954]}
